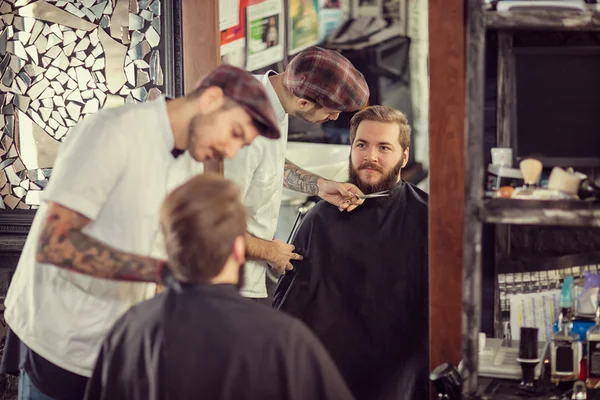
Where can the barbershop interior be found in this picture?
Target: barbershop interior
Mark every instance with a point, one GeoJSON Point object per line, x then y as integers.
{"type": "Point", "coordinates": [299, 199]}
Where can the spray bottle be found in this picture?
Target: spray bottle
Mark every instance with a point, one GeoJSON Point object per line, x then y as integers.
{"type": "Point", "coordinates": [565, 347]}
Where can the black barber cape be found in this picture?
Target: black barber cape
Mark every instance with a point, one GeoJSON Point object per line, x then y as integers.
{"type": "Point", "coordinates": [208, 342]}
{"type": "Point", "coordinates": [363, 290]}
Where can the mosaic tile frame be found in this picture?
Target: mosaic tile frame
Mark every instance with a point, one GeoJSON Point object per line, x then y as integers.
{"type": "Point", "coordinates": [52, 74]}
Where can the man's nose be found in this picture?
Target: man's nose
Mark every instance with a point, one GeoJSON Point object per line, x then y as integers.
{"type": "Point", "coordinates": [371, 154]}
{"type": "Point", "coordinates": [334, 116]}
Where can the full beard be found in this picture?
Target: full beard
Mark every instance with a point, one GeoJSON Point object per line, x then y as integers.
{"type": "Point", "coordinates": [388, 182]}
{"type": "Point", "coordinates": [200, 123]}
{"type": "Point", "coordinates": [201, 127]}
{"type": "Point", "coordinates": [307, 116]}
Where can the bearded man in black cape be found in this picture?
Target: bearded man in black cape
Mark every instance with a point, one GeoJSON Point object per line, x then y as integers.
{"type": "Point", "coordinates": [363, 284]}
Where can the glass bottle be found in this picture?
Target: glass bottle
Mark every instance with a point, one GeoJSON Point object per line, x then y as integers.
{"type": "Point", "coordinates": [593, 353]}
{"type": "Point", "coordinates": [565, 351]}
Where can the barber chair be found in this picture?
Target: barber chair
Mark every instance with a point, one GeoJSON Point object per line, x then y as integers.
{"type": "Point", "coordinates": [447, 382]}
{"type": "Point", "coordinates": [302, 211]}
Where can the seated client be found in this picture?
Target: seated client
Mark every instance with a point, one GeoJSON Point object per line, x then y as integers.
{"type": "Point", "coordinates": [200, 339]}
{"type": "Point", "coordinates": [363, 284]}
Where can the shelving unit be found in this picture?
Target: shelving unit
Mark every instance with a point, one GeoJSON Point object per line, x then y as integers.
{"type": "Point", "coordinates": [545, 19]}
{"type": "Point", "coordinates": [542, 212]}
{"type": "Point", "coordinates": [505, 212]}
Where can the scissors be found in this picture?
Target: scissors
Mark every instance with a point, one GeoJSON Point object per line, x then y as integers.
{"type": "Point", "coordinates": [383, 193]}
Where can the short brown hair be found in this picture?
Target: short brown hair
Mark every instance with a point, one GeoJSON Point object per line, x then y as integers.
{"type": "Point", "coordinates": [200, 221]}
{"type": "Point", "coordinates": [290, 95]}
{"type": "Point", "coordinates": [382, 114]}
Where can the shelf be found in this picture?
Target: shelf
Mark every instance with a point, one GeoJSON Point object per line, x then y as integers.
{"type": "Point", "coordinates": [13, 244]}
{"type": "Point", "coordinates": [533, 19]}
{"type": "Point", "coordinates": [536, 263]}
{"type": "Point", "coordinates": [505, 389]}
{"type": "Point", "coordinates": [541, 212]}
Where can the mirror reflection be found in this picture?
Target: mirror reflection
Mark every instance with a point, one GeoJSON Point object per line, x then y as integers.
{"type": "Point", "coordinates": [363, 278]}
{"type": "Point", "coordinates": [346, 240]}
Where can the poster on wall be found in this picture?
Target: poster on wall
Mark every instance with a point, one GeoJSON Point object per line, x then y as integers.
{"type": "Point", "coordinates": [394, 11]}
{"type": "Point", "coordinates": [233, 32]}
{"type": "Point", "coordinates": [265, 33]}
{"type": "Point", "coordinates": [229, 15]}
{"type": "Point", "coordinates": [366, 8]}
{"type": "Point", "coordinates": [345, 6]}
{"type": "Point", "coordinates": [303, 25]}
{"type": "Point", "coordinates": [331, 16]}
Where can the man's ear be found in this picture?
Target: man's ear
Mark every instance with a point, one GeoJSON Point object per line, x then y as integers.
{"type": "Point", "coordinates": [239, 250]}
{"type": "Point", "coordinates": [304, 105]}
{"type": "Point", "coordinates": [405, 157]}
{"type": "Point", "coordinates": [211, 99]}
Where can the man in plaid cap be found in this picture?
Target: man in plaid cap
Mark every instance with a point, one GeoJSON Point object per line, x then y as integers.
{"type": "Point", "coordinates": [99, 218]}
{"type": "Point", "coordinates": [317, 85]}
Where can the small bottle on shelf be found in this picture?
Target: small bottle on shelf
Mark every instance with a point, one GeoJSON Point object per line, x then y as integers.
{"type": "Point", "coordinates": [589, 188]}
{"type": "Point", "coordinates": [593, 353]}
{"type": "Point", "coordinates": [565, 348]}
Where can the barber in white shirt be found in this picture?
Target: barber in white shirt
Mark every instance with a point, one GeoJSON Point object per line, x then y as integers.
{"type": "Point", "coordinates": [316, 86]}
{"type": "Point", "coordinates": [100, 219]}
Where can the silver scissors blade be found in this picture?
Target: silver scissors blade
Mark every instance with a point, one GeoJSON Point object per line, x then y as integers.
{"type": "Point", "coordinates": [384, 193]}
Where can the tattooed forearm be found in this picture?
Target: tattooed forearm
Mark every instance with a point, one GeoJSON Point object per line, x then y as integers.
{"type": "Point", "coordinates": [62, 243]}
{"type": "Point", "coordinates": [295, 178]}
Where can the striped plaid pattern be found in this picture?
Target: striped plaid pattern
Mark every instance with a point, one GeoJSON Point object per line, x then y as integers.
{"type": "Point", "coordinates": [327, 78]}
{"type": "Point", "coordinates": [249, 93]}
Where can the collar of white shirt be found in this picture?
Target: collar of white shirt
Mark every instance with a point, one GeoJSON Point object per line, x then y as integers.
{"type": "Point", "coordinates": [277, 106]}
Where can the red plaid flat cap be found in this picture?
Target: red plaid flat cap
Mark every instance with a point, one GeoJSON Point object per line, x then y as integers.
{"type": "Point", "coordinates": [327, 78]}
{"type": "Point", "coordinates": [249, 93]}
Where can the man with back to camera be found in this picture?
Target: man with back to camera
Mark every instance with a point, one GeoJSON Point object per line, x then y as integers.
{"type": "Point", "coordinates": [100, 216]}
{"type": "Point", "coordinates": [363, 283]}
{"type": "Point", "coordinates": [316, 86]}
{"type": "Point", "coordinates": [200, 339]}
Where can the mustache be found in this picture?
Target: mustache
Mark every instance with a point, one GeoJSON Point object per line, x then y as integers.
{"type": "Point", "coordinates": [370, 165]}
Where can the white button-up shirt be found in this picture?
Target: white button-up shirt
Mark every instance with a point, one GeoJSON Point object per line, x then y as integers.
{"type": "Point", "coordinates": [258, 171]}
{"type": "Point", "coordinates": [115, 168]}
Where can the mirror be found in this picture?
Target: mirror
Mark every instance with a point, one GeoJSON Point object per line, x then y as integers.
{"type": "Point", "coordinates": [393, 57]}
{"type": "Point", "coordinates": [368, 269]}
{"type": "Point", "coordinates": [61, 61]}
